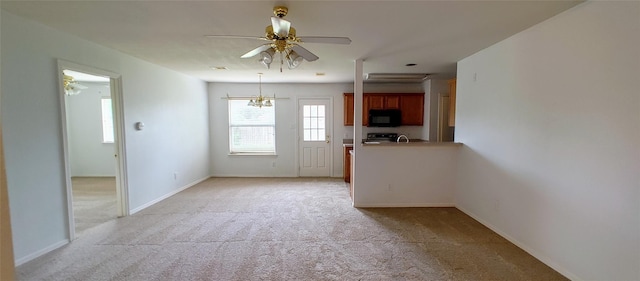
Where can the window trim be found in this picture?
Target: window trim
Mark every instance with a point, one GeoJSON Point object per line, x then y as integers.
{"type": "Point", "coordinates": [252, 154]}
{"type": "Point", "coordinates": [102, 120]}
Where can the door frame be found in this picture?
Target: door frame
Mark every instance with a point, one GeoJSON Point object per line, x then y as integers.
{"type": "Point", "coordinates": [115, 87]}
{"type": "Point", "coordinates": [443, 119]}
{"type": "Point", "coordinates": [331, 130]}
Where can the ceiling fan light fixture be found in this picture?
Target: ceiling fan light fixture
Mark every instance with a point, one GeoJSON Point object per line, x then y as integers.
{"type": "Point", "coordinates": [71, 91]}
{"type": "Point", "coordinates": [266, 64]}
{"type": "Point", "coordinates": [266, 57]}
{"type": "Point", "coordinates": [293, 59]}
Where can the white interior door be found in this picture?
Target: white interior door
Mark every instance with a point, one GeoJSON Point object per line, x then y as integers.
{"type": "Point", "coordinates": [314, 138]}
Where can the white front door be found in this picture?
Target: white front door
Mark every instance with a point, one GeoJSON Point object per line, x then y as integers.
{"type": "Point", "coordinates": [315, 137]}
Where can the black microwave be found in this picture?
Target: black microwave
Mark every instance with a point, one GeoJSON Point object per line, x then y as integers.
{"type": "Point", "coordinates": [384, 118]}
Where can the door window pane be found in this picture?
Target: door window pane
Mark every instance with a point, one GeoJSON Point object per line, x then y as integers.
{"type": "Point", "coordinates": [313, 122]}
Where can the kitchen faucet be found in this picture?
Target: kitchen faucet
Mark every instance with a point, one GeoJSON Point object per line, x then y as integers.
{"type": "Point", "coordinates": [402, 136]}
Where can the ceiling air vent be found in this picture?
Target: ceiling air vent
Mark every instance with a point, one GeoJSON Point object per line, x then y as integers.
{"type": "Point", "coordinates": [396, 77]}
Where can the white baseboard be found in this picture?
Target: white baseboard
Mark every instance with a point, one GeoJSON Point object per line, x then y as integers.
{"type": "Point", "coordinates": [251, 176]}
{"type": "Point", "coordinates": [404, 205]}
{"type": "Point", "coordinates": [93, 176]}
{"type": "Point", "coordinates": [174, 192]}
{"type": "Point", "coordinates": [544, 259]}
{"type": "Point", "coordinates": [267, 176]}
{"type": "Point", "coordinates": [41, 252]}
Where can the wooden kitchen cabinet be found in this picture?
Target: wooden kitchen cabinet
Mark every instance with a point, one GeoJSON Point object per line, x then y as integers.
{"type": "Point", "coordinates": [410, 104]}
{"type": "Point", "coordinates": [392, 102]}
{"type": "Point", "coordinates": [373, 102]}
{"type": "Point", "coordinates": [348, 109]}
{"type": "Point", "coordinates": [412, 109]}
{"type": "Point", "coordinates": [347, 163]}
{"type": "Point", "coordinates": [381, 101]}
{"type": "Point", "coordinates": [452, 102]}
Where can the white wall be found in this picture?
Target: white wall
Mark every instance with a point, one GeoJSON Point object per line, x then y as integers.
{"type": "Point", "coordinates": [551, 130]}
{"type": "Point", "coordinates": [88, 155]}
{"type": "Point", "coordinates": [172, 105]}
{"type": "Point", "coordinates": [286, 122]}
{"type": "Point", "coordinates": [406, 176]}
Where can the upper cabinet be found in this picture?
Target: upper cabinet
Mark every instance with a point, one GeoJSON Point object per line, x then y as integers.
{"type": "Point", "coordinates": [348, 109]}
{"type": "Point", "coordinates": [412, 109]}
{"type": "Point", "coordinates": [381, 101]}
{"type": "Point", "coordinates": [410, 104]}
{"type": "Point", "coordinates": [452, 102]}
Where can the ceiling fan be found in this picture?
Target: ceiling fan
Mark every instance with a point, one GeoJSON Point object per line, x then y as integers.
{"type": "Point", "coordinates": [283, 40]}
{"type": "Point", "coordinates": [71, 86]}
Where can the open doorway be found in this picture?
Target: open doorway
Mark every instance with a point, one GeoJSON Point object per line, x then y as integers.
{"type": "Point", "coordinates": [445, 132]}
{"type": "Point", "coordinates": [93, 144]}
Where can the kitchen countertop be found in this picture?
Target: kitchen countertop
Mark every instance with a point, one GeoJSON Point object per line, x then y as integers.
{"type": "Point", "coordinates": [347, 142]}
{"type": "Point", "coordinates": [412, 142]}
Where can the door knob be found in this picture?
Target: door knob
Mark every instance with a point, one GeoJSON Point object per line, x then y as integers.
{"type": "Point", "coordinates": [328, 139]}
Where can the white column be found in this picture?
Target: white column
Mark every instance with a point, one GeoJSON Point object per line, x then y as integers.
{"type": "Point", "coordinates": [357, 122]}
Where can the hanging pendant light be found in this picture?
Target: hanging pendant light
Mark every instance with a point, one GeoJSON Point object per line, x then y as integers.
{"type": "Point", "coordinates": [260, 100]}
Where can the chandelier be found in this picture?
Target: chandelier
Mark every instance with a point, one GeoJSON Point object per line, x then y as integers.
{"type": "Point", "coordinates": [260, 100]}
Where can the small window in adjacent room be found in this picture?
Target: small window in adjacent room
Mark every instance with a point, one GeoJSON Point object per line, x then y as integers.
{"type": "Point", "coordinates": [107, 121]}
{"type": "Point", "coordinates": [251, 129]}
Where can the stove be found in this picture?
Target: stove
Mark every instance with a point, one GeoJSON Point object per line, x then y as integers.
{"type": "Point", "coordinates": [381, 137]}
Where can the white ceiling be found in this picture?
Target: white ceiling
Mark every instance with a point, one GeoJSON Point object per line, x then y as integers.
{"type": "Point", "coordinates": [84, 77]}
{"type": "Point", "coordinates": [387, 35]}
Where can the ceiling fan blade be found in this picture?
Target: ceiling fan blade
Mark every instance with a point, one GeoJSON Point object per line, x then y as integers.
{"type": "Point", "coordinates": [280, 27]}
{"type": "Point", "coordinates": [235, 37]}
{"type": "Point", "coordinates": [308, 56]}
{"type": "Point", "coordinates": [326, 40]}
{"type": "Point", "coordinates": [256, 51]}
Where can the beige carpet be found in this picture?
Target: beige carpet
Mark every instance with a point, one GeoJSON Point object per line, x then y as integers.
{"type": "Point", "coordinates": [286, 229]}
{"type": "Point", "coordinates": [94, 201]}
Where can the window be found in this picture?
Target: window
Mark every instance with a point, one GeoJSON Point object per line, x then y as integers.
{"type": "Point", "coordinates": [107, 120]}
{"type": "Point", "coordinates": [313, 122]}
{"type": "Point", "coordinates": [251, 129]}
